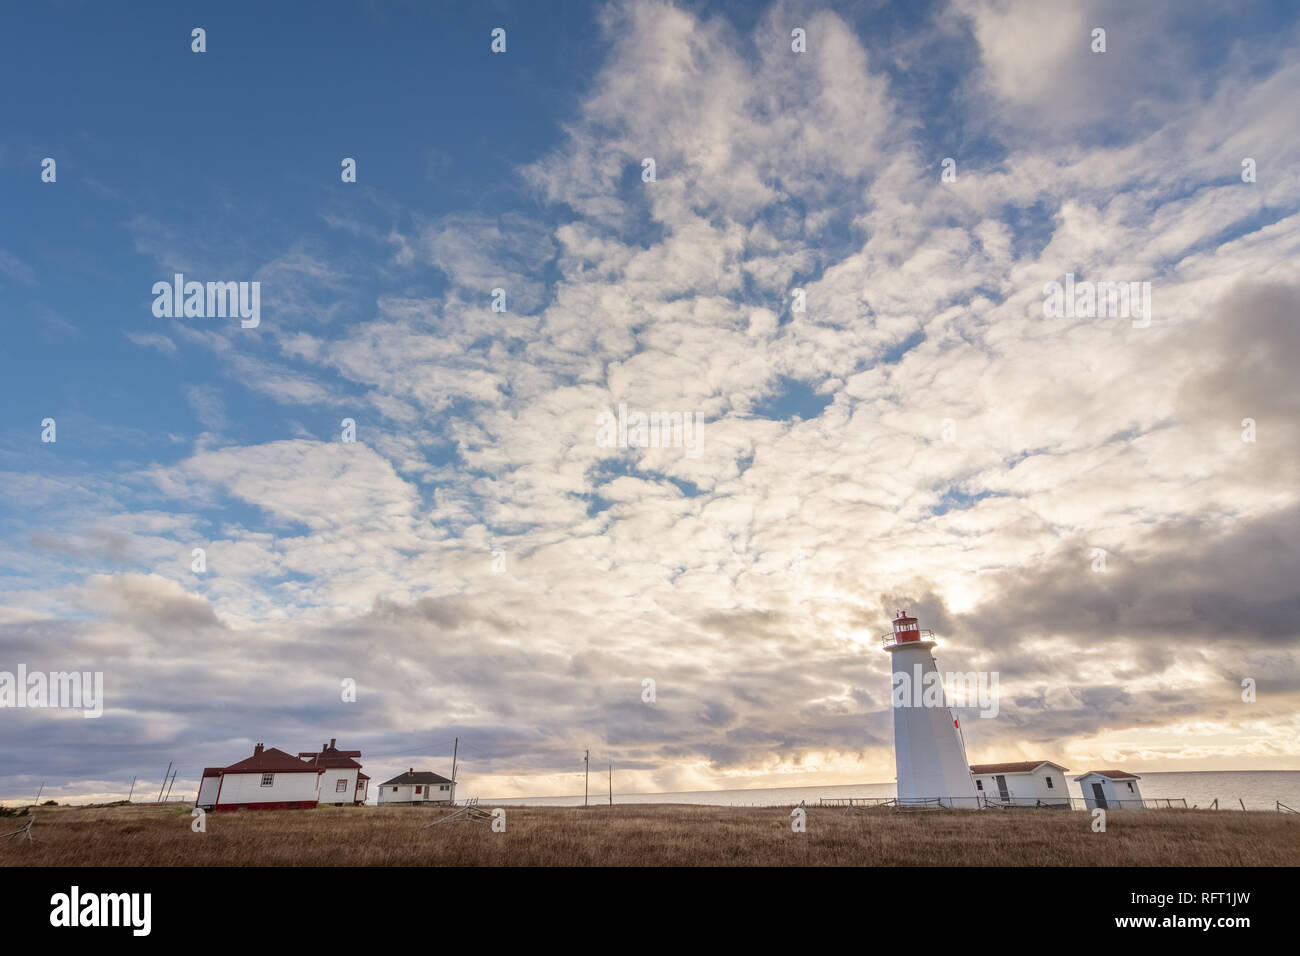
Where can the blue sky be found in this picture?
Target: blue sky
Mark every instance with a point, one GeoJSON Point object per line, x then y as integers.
{"type": "Point", "coordinates": [921, 436]}
{"type": "Point", "coordinates": [228, 157]}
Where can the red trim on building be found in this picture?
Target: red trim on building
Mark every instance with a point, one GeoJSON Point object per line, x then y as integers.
{"type": "Point", "coordinates": [273, 805]}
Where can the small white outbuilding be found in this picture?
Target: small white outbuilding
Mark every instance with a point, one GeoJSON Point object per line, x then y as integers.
{"type": "Point", "coordinates": [1110, 789]}
{"type": "Point", "coordinates": [1026, 783]}
{"type": "Point", "coordinates": [415, 787]}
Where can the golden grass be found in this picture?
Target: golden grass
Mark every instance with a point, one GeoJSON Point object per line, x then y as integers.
{"type": "Point", "coordinates": [652, 835]}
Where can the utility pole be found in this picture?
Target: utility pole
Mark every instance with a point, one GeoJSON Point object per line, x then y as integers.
{"type": "Point", "coordinates": [164, 783]}
{"type": "Point", "coordinates": [169, 786]}
{"type": "Point", "coordinates": [455, 748]}
{"type": "Point", "coordinates": [611, 785]}
{"type": "Point", "coordinates": [39, 792]}
{"type": "Point", "coordinates": [587, 779]}
{"type": "Point", "coordinates": [128, 796]}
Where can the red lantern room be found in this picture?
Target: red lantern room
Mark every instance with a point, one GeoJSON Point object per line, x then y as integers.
{"type": "Point", "coordinates": [906, 632]}
{"type": "Point", "coordinates": [905, 628]}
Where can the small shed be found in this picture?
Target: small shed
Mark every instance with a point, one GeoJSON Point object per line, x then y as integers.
{"type": "Point", "coordinates": [1110, 789]}
{"type": "Point", "coordinates": [1025, 783]}
{"type": "Point", "coordinates": [415, 787]}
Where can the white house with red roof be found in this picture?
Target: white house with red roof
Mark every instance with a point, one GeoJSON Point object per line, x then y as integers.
{"type": "Point", "coordinates": [1023, 783]}
{"type": "Point", "coordinates": [274, 780]}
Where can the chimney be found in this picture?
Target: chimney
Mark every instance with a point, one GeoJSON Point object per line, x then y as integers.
{"type": "Point", "coordinates": [257, 750]}
{"type": "Point", "coordinates": [412, 770]}
{"type": "Point", "coordinates": [332, 740]}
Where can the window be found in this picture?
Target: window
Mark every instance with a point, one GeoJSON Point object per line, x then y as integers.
{"type": "Point", "coordinates": [1130, 788]}
{"type": "Point", "coordinates": [979, 784]}
{"type": "Point", "coordinates": [267, 779]}
{"type": "Point", "coordinates": [418, 790]}
{"type": "Point", "coordinates": [341, 786]}
{"type": "Point", "coordinates": [443, 787]}
{"type": "Point", "coordinates": [1049, 782]}
{"type": "Point", "coordinates": [394, 790]}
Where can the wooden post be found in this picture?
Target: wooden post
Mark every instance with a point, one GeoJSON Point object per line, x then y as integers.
{"type": "Point", "coordinates": [128, 796]}
{"type": "Point", "coordinates": [611, 785]}
{"type": "Point", "coordinates": [1242, 802]}
{"type": "Point", "coordinates": [169, 786]}
{"type": "Point", "coordinates": [166, 774]}
{"type": "Point", "coordinates": [587, 779]}
{"type": "Point", "coordinates": [455, 748]}
{"type": "Point", "coordinates": [39, 792]}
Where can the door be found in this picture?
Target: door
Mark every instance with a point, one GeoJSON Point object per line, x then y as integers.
{"type": "Point", "coordinates": [1098, 795]}
{"type": "Point", "coordinates": [1003, 793]}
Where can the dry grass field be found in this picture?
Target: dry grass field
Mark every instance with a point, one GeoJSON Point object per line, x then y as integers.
{"type": "Point", "coordinates": [650, 835]}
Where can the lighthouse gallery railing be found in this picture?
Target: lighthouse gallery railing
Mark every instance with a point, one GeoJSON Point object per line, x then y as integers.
{"type": "Point", "coordinates": [906, 637]}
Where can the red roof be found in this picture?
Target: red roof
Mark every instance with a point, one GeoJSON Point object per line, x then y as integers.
{"type": "Point", "coordinates": [1112, 774]}
{"type": "Point", "coordinates": [308, 754]}
{"type": "Point", "coordinates": [346, 763]}
{"type": "Point", "coordinates": [212, 771]}
{"type": "Point", "coordinates": [331, 756]}
{"type": "Point", "coordinates": [1023, 766]}
{"type": "Point", "coordinates": [270, 760]}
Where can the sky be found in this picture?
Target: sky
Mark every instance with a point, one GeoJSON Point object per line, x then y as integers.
{"type": "Point", "coordinates": [1101, 509]}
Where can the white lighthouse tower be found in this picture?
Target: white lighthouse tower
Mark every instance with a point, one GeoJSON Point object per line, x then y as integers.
{"type": "Point", "coordinates": [928, 748]}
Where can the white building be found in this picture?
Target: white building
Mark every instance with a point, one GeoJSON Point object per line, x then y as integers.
{"type": "Point", "coordinates": [1110, 789]}
{"type": "Point", "coordinates": [415, 788]}
{"type": "Point", "coordinates": [342, 783]}
{"type": "Point", "coordinates": [928, 749]}
{"type": "Point", "coordinates": [1028, 783]}
{"type": "Point", "coordinates": [269, 780]}
{"type": "Point", "coordinates": [274, 780]}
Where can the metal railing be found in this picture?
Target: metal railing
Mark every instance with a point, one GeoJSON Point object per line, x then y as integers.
{"type": "Point", "coordinates": [856, 801]}
{"type": "Point", "coordinates": [1008, 802]}
{"type": "Point", "coordinates": [906, 637]}
{"type": "Point", "coordinates": [1082, 803]}
{"type": "Point", "coordinates": [987, 802]}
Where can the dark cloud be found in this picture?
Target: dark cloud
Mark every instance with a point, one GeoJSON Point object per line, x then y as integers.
{"type": "Point", "coordinates": [1249, 350]}
{"type": "Point", "coordinates": [1181, 584]}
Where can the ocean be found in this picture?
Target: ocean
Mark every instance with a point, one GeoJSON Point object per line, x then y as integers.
{"type": "Point", "coordinates": [1258, 789]}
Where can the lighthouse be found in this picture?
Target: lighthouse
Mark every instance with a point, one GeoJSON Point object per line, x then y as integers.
{"type": "Point", "coordinates": [928, 748]}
